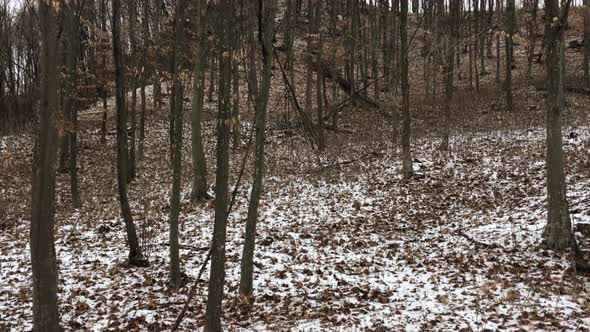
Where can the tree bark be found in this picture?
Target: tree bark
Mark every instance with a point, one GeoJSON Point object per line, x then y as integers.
{"type": "Point", "coordinates": [498, 21]}
{"type": "Point", "coordinates": [558, 232]}
{"type": "Point", "coordinates": [135, 256]}
{"type": "Point", "coordinates": [71, 103]}
{"type": "Point", "coordinates": [320, 78]}
{"type": "Point", "coordinates": [133, 44]}
{"type": "Point", "coordinates": [309, 60]}
{"type": "Point", "coordinates": [266, 34]}
{"type": "Point", "coordinates": [157, 90]}
{"type": "Point", "coordinates": [224, 31]}
{"type": "Point", "coordinates": [144, 75]}
{"type": "Point", "coordinates": [236, 136]}
{"type": "Point", "coordinates": [104, 86]}
{"type": "Point", "coordinates": [407, 170]}
{"type": "Point", "coordinates": [532, 27]}
{"type": "Point", "coordinates": [199, 189]}
{"type": "Point", "coordinates": [587, 42]}
{"type": "Point", "coordinates": [449, 71]}
{"type": "Point", "coordinates": [176, 108]}
{"type": "Point", "coordinates": [42, 245]}
{"type": "Point", "coordinates": [510, 27]}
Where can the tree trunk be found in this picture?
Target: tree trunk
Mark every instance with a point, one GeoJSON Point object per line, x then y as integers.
{"type": "Point", "coordinates": [510, 27]}
{"type": "Point", "coordinates": [320, 78]}
{"type": "Point", "coordinates": [133, 44]}
{"type": "Point", "coordinates": [587, 42]}
{"type": "Point", "coordinates": [104, 86]}
{"type": "Point", "coordinates": [558, 232]}
{"type": "Point", "coordinates": [71, 103]}
{"type": "Point", "coordinates": [42, 245]}
{"type": "Point", "coordinates": [407, 170]}
{"type": "Point", "coordinates": [199, 190]}
{"type": "Point", "coordinates": [482, 16]}
{"type": "Point", "coordinates": [498, 19]}
{"type": "Point", "coordinates": [212, 79]}
{"type": "Point", "coordinates": [157, 90]}
{"type": "Point", "coordinates": [449, 71]}
{"type": "Point", "coordinates": [135, 256]}
{"type": "Point", "coordinates": [236, 136]}
{"type": "Point", "coordinates": [247, 264]}
{"type": "Point", "coordinates": [144, 75]}
{"type": "Point", "coordinates": [532, 27]}
{"type": "Point", "coordinates": [224, 31]}
{"type": "Point", "coordinates": [309, 58]}
{"type": "Point", "coordinates": [176, 108]}
{"type": "Point", "coordinates": [474, 45]}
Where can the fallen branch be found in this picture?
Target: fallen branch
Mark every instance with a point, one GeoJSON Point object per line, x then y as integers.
{"type": "Point", "coordinates": [191, 293]}
{"type": "Point", "coordinates": [346, 86]}
{"type": "Point", "coordinates": [185, 246]}
{"type": "Point", "coordinates": [234, 194]}
{"type": "Point", "coordinates": [474, 241]}
{"type": "Point", "coordinates": [372, 154]}
{"type": "Point", "coordinates": [308, 124]}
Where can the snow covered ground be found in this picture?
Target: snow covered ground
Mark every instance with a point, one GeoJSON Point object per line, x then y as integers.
{"type": "Point", "coordinates": [344, 243]}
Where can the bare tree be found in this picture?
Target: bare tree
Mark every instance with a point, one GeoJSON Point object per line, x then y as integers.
{"type": "Point", "coordinates": [407, 171]}
{"type": "Point", "coordinates": [176, 107]}
{"type": "Point", "coordinates": [224, 30]}
{"type": "Point", "coordinates": [43, 259]}
{"type": "Point", "coordinates": [72, 50]}
{"type": "Point", "coordinates": [533, 7]}
{"type": "Point", "coordinates": [135, 255]}
{"type": "Point", "coordinates": [145, 31]}
{"type": "Point", "coordinates": [449, 70]}
{"type": "Point", "coordinates": [266, 34]}
{"type": "Point", "coordinates": [558, 232]}
{"type": "Point", "coordinates": [320, 77]}
{"type": "Point", "coordinates": [510, 27]}
{"type": "Point", "coordinates": [104, 84]}
{"type": "Point", "coordinates": [199, 190]}
{"type": "Point", "coordinates": [587, 42]}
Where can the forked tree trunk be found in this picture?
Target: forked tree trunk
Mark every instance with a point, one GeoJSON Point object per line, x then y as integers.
{"type": "Point", "coordinates": [135, 256]}
{"type": "Point", "coordinates": [247, 264]}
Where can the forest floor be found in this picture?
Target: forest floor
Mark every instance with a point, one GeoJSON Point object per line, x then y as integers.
{"type": "Point", "coordinates": [343, 242]}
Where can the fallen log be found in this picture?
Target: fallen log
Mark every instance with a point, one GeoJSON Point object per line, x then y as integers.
{"type": "Point", "coordinates": [329, 72]}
